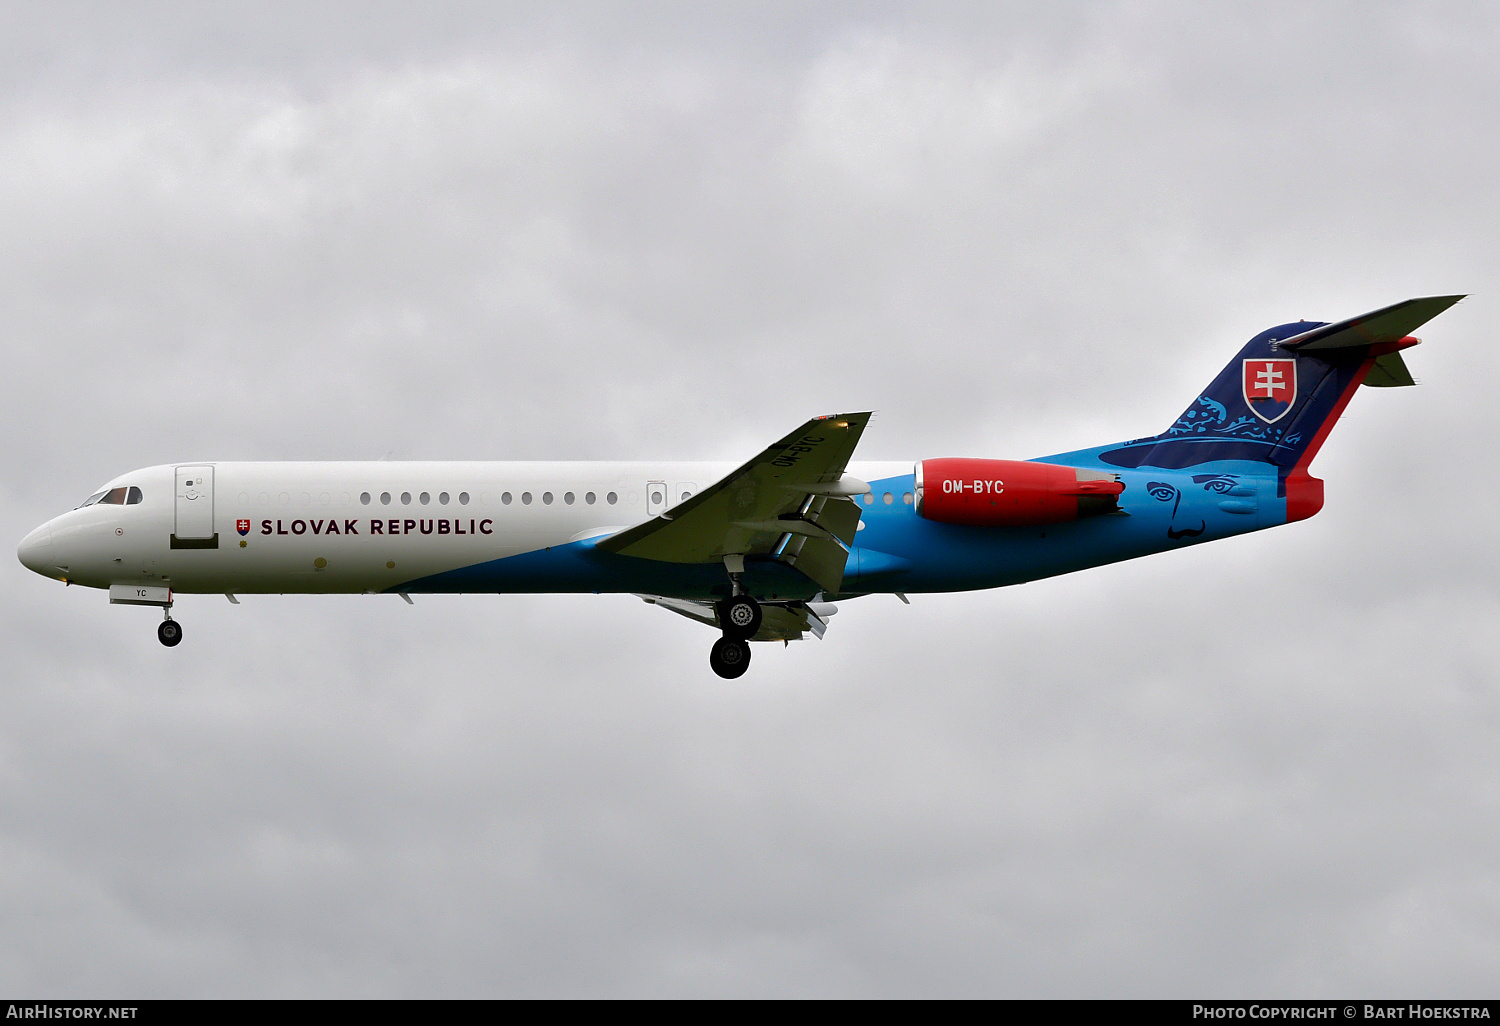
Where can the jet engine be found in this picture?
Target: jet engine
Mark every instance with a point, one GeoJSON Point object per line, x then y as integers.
{"type": "Point", "coordinates": [1012, 493]}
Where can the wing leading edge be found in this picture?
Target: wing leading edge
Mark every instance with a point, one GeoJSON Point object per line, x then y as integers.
{"type": "Point", "coordinates": [793, 502]}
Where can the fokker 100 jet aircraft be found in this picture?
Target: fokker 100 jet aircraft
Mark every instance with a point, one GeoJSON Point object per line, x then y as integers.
{"type": "Point", "coordinates": [762, 551]}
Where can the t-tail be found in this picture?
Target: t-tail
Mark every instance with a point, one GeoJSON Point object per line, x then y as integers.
{"type": "Point", "coordinates": [1277, 400]}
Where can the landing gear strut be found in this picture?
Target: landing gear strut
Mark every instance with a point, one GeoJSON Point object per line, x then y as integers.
{"type": "Point", "coordinates": [730, 657]}
{"type": "Point", "coordinates": [169, 632]}
{"type": "Point", "coordinates": [739, 618]}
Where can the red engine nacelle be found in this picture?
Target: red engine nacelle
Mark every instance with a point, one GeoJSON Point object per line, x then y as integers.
{"type": "Point", "coordinates": [1012, 493]}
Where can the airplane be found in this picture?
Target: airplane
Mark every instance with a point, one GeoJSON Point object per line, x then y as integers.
{"type": "Point", "coordinates": [759, 552]}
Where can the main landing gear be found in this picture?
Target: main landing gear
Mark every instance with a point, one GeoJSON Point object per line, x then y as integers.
{"type": "Point", "coordinates": [169, 633]}
{"type": "Point", "coordinates": [730, 657]}
{"type": "Point", "coordinates": [740, 618]}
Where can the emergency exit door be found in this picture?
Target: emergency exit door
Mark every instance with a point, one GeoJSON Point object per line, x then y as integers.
{"type": "Point", "coordinates": [656, 497]}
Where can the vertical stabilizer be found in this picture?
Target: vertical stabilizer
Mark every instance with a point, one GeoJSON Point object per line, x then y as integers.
{"type": "Point", "coordinates": [1276, 400]}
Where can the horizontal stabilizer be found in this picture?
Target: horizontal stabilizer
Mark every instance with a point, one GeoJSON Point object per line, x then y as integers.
{"type": "Point", "coordinates": [1388, 324]}
{"type": "Point", "coordinates": [1389, 371]}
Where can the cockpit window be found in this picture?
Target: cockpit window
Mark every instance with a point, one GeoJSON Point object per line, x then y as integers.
{"type": "Point", "coordinates": [127, 495]}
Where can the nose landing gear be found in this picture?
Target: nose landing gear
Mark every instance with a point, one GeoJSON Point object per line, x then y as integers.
{"type": "Point", "coordinates": [169, 632]}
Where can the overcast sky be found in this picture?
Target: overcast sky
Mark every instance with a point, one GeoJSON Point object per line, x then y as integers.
{"type": "Point", "coordinates": [1265, 766]}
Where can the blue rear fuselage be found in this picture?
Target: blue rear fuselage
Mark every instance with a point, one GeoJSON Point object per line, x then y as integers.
{"type": "Point", "coordinates": [897, 550]}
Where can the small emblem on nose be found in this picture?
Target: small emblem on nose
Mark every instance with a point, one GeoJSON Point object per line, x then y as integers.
{"type": "Point", "coordinates": [242, 526]}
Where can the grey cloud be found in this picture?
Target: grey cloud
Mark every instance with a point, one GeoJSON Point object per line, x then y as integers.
{"type": "Point", "coordinates": [1261, 766]}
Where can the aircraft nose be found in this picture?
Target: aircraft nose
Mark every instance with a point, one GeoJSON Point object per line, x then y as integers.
{"type": "Point", "coordinates": [35, 551]}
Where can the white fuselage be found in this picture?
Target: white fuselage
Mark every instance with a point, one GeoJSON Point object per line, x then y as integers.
{"type": "Point", "coordinates": [350, 527]}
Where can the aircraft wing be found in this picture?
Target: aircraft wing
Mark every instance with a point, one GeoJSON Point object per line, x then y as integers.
{"type": "Point", "coordinates": [792, 502]}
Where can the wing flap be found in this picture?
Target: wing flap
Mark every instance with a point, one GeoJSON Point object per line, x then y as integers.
{"type": "Point", "coordinates": [823, 556]}
{"type": "Point", "coordinates": [779, 622]}
{"type": "Point", "coordinates": [703, 612]}
{"type": "Point", "coordinates": [822, 561]}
